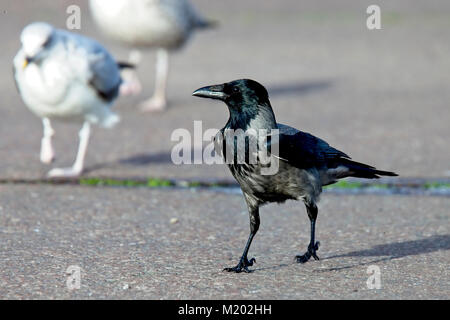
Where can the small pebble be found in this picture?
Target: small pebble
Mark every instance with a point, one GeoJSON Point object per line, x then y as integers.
{"type": "Point", "coordinates": [173, 221]}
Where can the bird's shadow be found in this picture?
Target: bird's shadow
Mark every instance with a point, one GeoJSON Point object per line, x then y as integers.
{"type": "Point", "coordinates": [138, 160]}
{"type": "Point", "coordinates": [144, 159]}
{"type": "Point", "coordinates": [396, 250]}
{"type": "Point", "coordinates": [299, 88]}
{"type": "Point", "coordinates": [386, 252]}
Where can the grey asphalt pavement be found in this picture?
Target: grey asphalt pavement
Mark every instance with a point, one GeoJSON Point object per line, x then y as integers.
{"type": "Point", "coordinates": [127, 246]}
{"type": "Point", "coordinates": [381, 96]}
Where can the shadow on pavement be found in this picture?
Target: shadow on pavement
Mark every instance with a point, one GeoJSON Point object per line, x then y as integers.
{"type": "Point", "coordinates": [403, 249]}
{"type": "Point", "coordinates": [396, 250]}
{"type": "Point", "coordinates": [145, 159]}
{"type": "Point", "coordinates": [388, 251]}
{"type": "Point", "coordinates": [299, 88]}
{"type": "Point", "coordinates": [136, 160]}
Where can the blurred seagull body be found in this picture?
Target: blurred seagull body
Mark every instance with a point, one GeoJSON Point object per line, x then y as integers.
{"type": "Point", "coordinates": [64, 76]}
{"type": "Point", "coordinates": [162, 24]}
{"type": "Point", "coordinates": [147, 23]}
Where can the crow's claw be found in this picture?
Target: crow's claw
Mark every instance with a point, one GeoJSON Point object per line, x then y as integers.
{"type": "Point", "coordinates": [242, 266]}
{"type": "Point", "coordinates": [312, 252]}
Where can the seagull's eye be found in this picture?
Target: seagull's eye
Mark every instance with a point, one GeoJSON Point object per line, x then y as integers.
{"type": "Point", "coordinates": [236, 90]}
{"type": "Point", "coordinates": [47, 42]}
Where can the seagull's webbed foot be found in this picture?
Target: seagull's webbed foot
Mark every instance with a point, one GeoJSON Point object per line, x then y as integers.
{"type": "Point", "coordinates": [242, 266]}
{"type": "Point", "coordinates": [312, 252]}
{"type": "Point", "coordinates": [64, 173]}
{"type": "Point", "coordinates": [154, 104]}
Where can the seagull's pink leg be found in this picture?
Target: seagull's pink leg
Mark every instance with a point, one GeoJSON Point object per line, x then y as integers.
{"type": "Point", "coordinates": [78, 166]}
{"type": "Point", "coordinates": [47, 152]}
{"type": "Point", "coordinates": [159, 102]}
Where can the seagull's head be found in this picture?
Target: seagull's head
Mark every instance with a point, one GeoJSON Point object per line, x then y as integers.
{"type": "Point", "coordinates": [36, 38]}
{"type": "Point", "coordinates": [238, 94]}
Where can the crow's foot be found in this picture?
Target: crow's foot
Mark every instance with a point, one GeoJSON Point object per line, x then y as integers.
{"type": "Point", "coordinates": [312, 252]}
{"type": "Point", "coordinates": [242, 266]}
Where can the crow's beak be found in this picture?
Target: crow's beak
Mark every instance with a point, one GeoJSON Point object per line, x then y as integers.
{"type": "Point", "coordinates": [212, 92]}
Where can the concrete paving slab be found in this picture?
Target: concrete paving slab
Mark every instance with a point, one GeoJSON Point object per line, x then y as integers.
{"type": "Point", "coordinates": [128, 245]}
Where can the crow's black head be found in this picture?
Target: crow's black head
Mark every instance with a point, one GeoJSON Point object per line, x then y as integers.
{"type": "Point", "coordinates": [245, 98]}
{"type": "Point", "coordinates": [236, 93]}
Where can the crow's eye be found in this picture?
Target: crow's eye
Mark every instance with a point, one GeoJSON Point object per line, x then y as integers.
{"type": "Point", "coordinates": [236, 90]}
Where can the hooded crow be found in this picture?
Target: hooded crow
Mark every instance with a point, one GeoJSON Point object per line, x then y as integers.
{"type": "Point", "coordinates": [305, 162]}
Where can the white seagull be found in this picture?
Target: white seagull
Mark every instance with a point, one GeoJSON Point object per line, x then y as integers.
{"type": "Point", "coordinates": [162, 24]}
{"type": "Point", "coordinates": [64, 76]}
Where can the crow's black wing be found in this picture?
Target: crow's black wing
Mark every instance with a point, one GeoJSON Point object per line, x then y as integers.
{"type": "Point", "coordinates": [304, 150]}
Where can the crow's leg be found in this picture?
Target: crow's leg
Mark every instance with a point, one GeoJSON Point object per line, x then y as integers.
{"type": "Point", "coordinates": [313, 246]}
{"type": "Point", "coordinates": [159, 101]}
{"type": "Point", "coordinates": [244, 263]}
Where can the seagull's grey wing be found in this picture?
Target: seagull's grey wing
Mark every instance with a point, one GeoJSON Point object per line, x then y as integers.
{"type": "Point", "coordinates": [196, 20]}
{"type": "Point", "coordinates": [105, 70]}
{"type": "Point", "coordinates": [304, 150]}
{"type": "Point", "coordinates": [105, 74]}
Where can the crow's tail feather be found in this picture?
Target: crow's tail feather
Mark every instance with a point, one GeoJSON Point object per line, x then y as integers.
{"type": "Point", "coordinates": [361, 170]}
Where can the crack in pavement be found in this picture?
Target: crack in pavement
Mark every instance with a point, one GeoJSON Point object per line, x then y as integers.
{"type": "Point", "coordinates": [402, 186]}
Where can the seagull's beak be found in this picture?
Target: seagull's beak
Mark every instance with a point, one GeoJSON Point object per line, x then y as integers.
{"type": "Point", "coordinates": [26, 62]}
{"type": "Point", "coordinates": [212, 92]}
